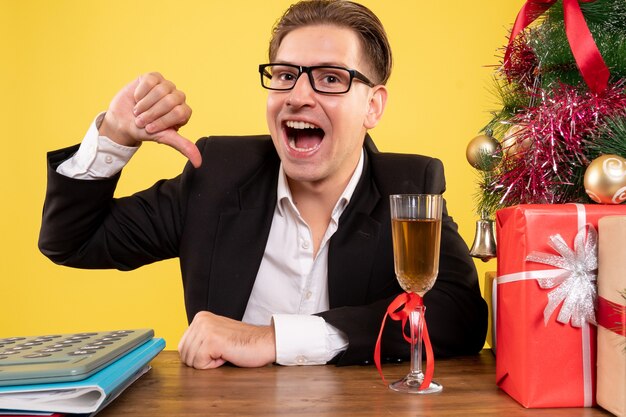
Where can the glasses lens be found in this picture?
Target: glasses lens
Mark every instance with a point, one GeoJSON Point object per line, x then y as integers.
{"type": "Point", "coordinates": [279, 77]}
{"type": "Point", "coordinates": [330, 79]}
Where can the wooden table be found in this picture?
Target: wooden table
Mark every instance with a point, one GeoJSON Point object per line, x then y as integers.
{"type": "Point", "coordinates": [172, 389]}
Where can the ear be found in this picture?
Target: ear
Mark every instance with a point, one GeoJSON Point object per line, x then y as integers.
{"type": "Point", "coordinates": [376, 106]}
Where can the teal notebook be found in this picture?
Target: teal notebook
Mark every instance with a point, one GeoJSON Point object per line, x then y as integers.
{"type": "Point", "coordinates": [88, 395]}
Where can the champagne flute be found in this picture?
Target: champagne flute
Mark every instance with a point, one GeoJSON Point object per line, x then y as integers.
{"type": "Point", "coordinates": [416, 232]}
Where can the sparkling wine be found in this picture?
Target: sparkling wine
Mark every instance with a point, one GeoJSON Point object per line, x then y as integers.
{"type": "Point", "coordinates": [416, 248]}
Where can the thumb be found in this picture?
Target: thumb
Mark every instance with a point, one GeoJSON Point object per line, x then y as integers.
{"type": "Point", "coordinates": [189, 149]}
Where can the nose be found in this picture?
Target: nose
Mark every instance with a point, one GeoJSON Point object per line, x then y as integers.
{"type": "Point", "coordinates": [302, 93]}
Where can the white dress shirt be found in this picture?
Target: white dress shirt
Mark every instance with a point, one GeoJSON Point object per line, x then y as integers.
{"type": "Point", "coordinates": [291, 284]}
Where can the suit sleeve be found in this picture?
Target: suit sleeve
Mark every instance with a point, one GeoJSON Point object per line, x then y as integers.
{"type": "Point", "coordinates": [84, 226]}
{"type": "Point", "coordinates": [456, 313]}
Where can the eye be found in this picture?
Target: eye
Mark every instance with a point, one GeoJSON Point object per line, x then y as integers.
{"type": "Point", "coordinates": [285, 76]}
{"type": "Point", "coordinates": [332, 79]}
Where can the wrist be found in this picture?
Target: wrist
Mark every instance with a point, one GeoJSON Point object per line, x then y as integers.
{"type": "Point", "coordinates": [113, 130]}
{"type": "Point", "coordinates": [269, 343]}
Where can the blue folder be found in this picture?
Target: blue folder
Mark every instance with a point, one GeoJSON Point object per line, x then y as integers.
{"type": "Point", "coordinates": [88, 395]}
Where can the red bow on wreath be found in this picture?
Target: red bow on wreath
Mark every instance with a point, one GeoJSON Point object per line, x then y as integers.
{"type": "Point", "coordinates": [588, 58]}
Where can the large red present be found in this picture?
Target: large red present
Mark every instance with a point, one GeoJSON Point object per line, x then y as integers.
{"type": "Point", "coordinates": [546, 347]}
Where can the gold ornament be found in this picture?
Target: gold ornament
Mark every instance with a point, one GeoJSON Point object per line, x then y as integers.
{"type": "Point", "coordinates": [512, 146]}
{"type": "Point", "coordinates": [605, 179]}
{"type": "Point", "coordinates": [484, 152]}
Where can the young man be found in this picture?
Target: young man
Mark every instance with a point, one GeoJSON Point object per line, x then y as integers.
{"type": "Point", "coordinates": [284, 240]}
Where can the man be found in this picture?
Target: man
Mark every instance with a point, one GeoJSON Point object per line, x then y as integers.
{"type": "Point", "coordinates": [284, 241]}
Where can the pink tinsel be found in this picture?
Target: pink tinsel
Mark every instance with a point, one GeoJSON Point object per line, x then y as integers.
{"type": "Point", "coordinates": [555, 132]}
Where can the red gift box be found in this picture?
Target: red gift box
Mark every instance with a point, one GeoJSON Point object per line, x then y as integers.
{"type": "Point", "coordinates": [542, 363]}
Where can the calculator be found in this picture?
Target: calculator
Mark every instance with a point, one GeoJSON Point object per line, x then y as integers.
{"type": "Point", "coordinates": [64, 357]}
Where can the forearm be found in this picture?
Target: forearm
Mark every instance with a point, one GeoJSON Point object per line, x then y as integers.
{"type": "Point", "coordinates": [83, 226]}
{"type": "Point", "coordinates": [73, 210]}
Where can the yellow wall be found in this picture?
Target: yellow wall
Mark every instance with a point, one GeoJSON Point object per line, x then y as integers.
{"type": "Point", "coordinates": [62, 61]}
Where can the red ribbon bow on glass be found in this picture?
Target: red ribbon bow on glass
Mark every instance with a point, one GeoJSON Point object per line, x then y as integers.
{"type": "Point", "coordinates": [588, 58]}
{"type": "Point", "coordinates": [400, 309]}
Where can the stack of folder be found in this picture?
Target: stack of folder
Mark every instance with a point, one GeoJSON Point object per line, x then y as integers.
{"type": "Point", "coordinates": [85, 397]}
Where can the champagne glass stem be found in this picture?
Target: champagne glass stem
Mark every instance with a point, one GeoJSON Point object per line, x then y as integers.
{"type": "Point", "coordinates": [416, 320]}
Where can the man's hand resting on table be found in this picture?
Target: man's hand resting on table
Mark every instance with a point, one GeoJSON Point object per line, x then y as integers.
{"type": "Point", "coordinates": [212, 340]}
{"type": "Point", "coordinates": [150, 109]}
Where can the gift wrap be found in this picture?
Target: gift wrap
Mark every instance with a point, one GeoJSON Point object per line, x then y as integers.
{"type": "Point", "coordinates": [546, 347]}
{"type": "Point", "coordinates": [611, 316]}
{"type": "Point", "coordinates": [489, 295]}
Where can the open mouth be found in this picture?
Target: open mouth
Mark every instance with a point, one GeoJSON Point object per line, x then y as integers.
{"type": "Point", "coordinates": [303, 136]}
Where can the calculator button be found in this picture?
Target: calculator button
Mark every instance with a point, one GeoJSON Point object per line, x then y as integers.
{"type": "Point", "coordinates": [69, 342]}
{"type": "Point", "coordinates": [30, 344]}
{"type": "Point", "coordinates": [3, 357]}
{"type": "Point", "coordinates": [17, 348]}
{"type": "Point", "coordinates": [37, 355]}
{"type": "Point", "coordinates": [81, 337]}
{"type": "Point", "coordinates": [9, 352]}
{"type": "Point", "coordinates": [58, 346]}
{"type": "Point", "coordinates": [92, 347]}
{"type": "Point", "coordinates": [87, 334]}
{"type": "Point", "coordinates": [110, 339]}
{"type": "Point", "coordinates": [123, 331]}
{"type": "Point", "coordinates": [82, 352]}
{"type": "Point", "coordinates": [49, 350]}
{"type": "Point", "coordinates": [50, 336]}
{"type": "Point", "coordinates": [14, 339]}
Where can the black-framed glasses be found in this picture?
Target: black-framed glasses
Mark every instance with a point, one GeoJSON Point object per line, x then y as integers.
{"type": "Point", "coordinates": [326, 79]}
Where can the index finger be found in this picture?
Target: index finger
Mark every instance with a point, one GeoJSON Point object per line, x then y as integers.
{"type": "Point", "coordinates": [146, 83]}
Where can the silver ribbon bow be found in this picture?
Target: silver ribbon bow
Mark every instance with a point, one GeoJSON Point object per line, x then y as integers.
{"type": "Point", "coordinates": [576, 286]}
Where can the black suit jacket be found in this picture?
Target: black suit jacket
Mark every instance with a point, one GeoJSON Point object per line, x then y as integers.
{"type": "Point", "coordinates": [217, 218]}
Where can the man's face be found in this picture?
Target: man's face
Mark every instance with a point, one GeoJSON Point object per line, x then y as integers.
{"type": "Point", "coordinates": [319, 136]}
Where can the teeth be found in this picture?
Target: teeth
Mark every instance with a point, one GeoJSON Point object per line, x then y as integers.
{"type": "Point", "coordinates": [300, 125]}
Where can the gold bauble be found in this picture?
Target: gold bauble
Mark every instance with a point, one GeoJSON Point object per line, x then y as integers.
{"type": "Point", "coordinates": [605, 179]}
{"type": "Point", "coordinates": [484, 152]}
{"type": "Point", "coordinates": [512, 146]}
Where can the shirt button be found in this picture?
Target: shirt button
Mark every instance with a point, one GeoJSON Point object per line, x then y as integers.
{"type": "Point", "coordinates": [108, 159]}
{"type": "Point", "coordinates": [301, 360]}
{"type": "Point", "coordinates": [305, 244]}
{"type": "Point", "coordinates": [308, 295]}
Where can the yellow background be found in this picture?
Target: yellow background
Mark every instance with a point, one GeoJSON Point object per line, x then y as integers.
{"type": "Point", "coordinates": [62, 61]}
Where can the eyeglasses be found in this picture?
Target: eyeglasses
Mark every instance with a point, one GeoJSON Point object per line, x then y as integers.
{"type": "Point", "coordinates": [326, 79]}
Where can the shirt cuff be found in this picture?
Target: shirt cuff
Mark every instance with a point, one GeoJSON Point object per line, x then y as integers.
{"type": "Point", "coordinates": [306, 340]}
{"type": "Point", "coordinates": [97, 157]}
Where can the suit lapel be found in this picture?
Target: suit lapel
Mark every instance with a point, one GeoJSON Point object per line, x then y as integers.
{"type": "Point", "coordinates": [240, 243]}
{"type": "Point", "coordinates": [352, 247]}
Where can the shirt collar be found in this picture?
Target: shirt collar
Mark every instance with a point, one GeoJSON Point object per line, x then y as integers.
{"type": "Point", "coordinates": [283, 193]}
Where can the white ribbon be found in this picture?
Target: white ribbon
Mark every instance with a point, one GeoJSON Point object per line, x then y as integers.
{"type": "Point", "coordinates": [575, 285]}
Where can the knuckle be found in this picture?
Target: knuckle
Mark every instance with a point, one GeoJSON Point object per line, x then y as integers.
{"type": "Point", "coordinates": [154, 75]}
{"type": "Point", "coordinates": [170, 101]}
{"type": "Point", "coordinates": [160, 90]}
{"type": "Point", "coordinates": [200, 315]}
{"type": "Point", "coordinates": [151, 78]}
{"type": "Point", "coordinates": [179, 113]}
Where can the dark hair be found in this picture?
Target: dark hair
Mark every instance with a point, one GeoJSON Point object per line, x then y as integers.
{"type": "Point", "coordinates": [347, 14]}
